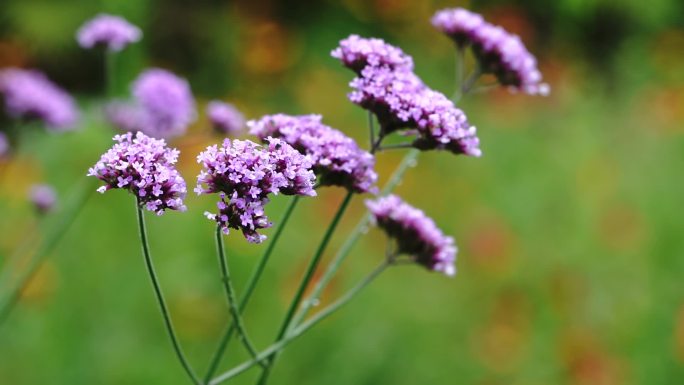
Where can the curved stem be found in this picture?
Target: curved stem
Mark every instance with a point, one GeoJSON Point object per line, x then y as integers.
{"type": "Point", "coordinates": [249, 289]}
{"type": "Point", "coordinates": [313, 264]}
{"type": "Point", "coordinates": [160, 297]}
{"type": "Point", "coordinates": [230, 293]}
{"type": "Point", "coordinates": [298, 331]}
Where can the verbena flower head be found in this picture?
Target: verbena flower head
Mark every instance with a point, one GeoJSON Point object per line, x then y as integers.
{"type": "Point", "coordinates": [356, 53]}
{"type": "Point", "coordinates": [225, 118]}
{"type": "Point", "coordinates": [163, 105]}
{"type": "Point", "coordinates": [43, 197]}
{"type": "Point", "coordinates": [458, 23]}
{"type": "Point", "coordinates": [146, 167]}
{"type": "Point", "coordinates": [244, 173]}
{"type": "Point", "coordinates": [4, 145]}
{"type": "Point", "coordinates": [31, 95]}
{"type": "Point", "coordinates": [111, 31]}
{"type": "Point", "coordinates": [416, 234]}
{"type": "Point", "coordinates": [337, 159]}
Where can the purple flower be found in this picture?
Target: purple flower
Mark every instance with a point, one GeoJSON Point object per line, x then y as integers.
{"type": "Point", "coordinates": [145, 167]}
{"type": "Point", "coordinates": [356, 53]}
{"type": "Point", "coordinates": [225, 118]}
{"type": "Point", "coordinates": [43, 197]}
{"type": "Point", "coordinates": [337, 159]}
{"type": "Point", "coordinates": [244, 174]}
{"type": "Point", "coordinates": [31, 95]}
{"type": "Point", "coordinates": [114, 32]}
{"type": "Point", "coordinates": [4, 145]}
{"type": "Point", "coordinates": [163, 106]}
{"type": "Point", "coordinates": [498, 52]}
{"type": "Point", "coordinates": [416, 235]}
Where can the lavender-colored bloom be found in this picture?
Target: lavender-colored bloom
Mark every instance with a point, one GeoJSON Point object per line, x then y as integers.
{"type": "Point", "coordinates": [337, 158]}
{"type": "Point", "coordinates": [146, 167]}
{"type": "Point", "coordinates": [31, 95]}
{"type": "Point", "coordinates": [114, 32]}
{"type": "Point", "coordinates": [43, 197]}
{"type": "Point", "coordinates": [356, 53]}
{"type": "Point", "coordinates": [244, 174]}
{"type": "Point", "coordinates": [225, 118]}
{"type": "Point", "coordinates": [163, 105]}
{"type": "Point", "coordinates": [4, 145]}
{"type": "Point", "coordinates": [458, 23]}
{"type": "Point", "coordinates": [416, 234]}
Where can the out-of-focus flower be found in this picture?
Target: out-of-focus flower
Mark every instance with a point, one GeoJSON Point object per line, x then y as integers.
{"type": "Point", "coordinates": [356, 53]}
{"type": "Point", "coordinates": [4, 145]}
{"type": "Point", "coordinates": [163, 106]}
{"type": "Point", "coordinates": [498, 52]}
{"type": "Point", "coordinates": [225, 118]}
{"type": "Point", "coordinates": [43, 197]}
{"type": "Point", "coordinates": [113, 32]}
{"type": "Point", "coordinates": [31, 95]}
{"type": "Point", "coordinates": [244, 174]}
{"type": "Point", "coordinates": [146, 167]}
{"type": "Point", "coordinates": [337, 159]}
{"type": "Point", "coordinates": [416, 234]}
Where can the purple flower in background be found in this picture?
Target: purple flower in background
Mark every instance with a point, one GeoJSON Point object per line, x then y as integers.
{"type": "Point", "coordinates": [4, 145]}
{"type": "Point", "coordinates": [337, 159]}
{"type": "Point", "coordinates": [225, 118]}
{"type": "Point", "coordinates": [416, 235]}
{"type": "Point", "coordinates": [458, 23]}
{"type": "Point", "coordinates": [114, 32]}
{"type": "Point", "coordinates": [163, 105]}
{"type": "Point", "coordinates": [145, 167]}
{"type": "Point", "coordinates": [31, 95]}
{"type": "Point", "coordinates": [356, 53]}
{"type": "Point", "coordinates": [244, 174]}
{"type": "Point", "coordinates": [43, 197]}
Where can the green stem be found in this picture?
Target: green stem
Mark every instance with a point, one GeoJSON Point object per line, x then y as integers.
{"type": "Point", "coordinates": [467, 85]}
{"type": "Point", "coordinates": [408, 161]}
{"type": "Point", "coordinates": [230, 293]}
{"type": "Point", "coordinates": [313, 264]}
{"type": "Point", "coordinates": [160, 297]}
{"type": "Point", "coordinates": [298, 331]}
{"type": "Point", "coordinates": [371, 126]}
{"type": "Point", "coordinates": [249, 289]}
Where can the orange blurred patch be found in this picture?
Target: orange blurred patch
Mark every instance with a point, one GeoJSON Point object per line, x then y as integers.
{"type": "Point", "coordinates": [268, 48]}
{"type": "Point", "coordinates": [667, 54]}
{"type": "Point", "coordinates": [679, 335]}
{"type": "Point", "coordinates": [198, 316]}
{"type": "Point", "coordinates": [621, 227]}
{"type": "Point", "coordinates": [12, 54]}
{"type": "Point", "coordinates": [660, 109]}
{"type": "Point", "coordinates": [588, 363]}
{"type": "Point", "coordinates": [42, 285]}
{"type": "Point", "coordinates": [568, 289]}
{"type": "Point", "coordinates": [490, 245]}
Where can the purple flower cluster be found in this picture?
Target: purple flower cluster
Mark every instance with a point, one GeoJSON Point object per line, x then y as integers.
{"type": "Point", "coordinates": [111, 31]}
{"type": "Point", "coordinates": [163, 105]}
{"type": "Point", "coordinates": [401, 101]}
{"type": "Point", "coordinates": [337, 159]}
{"type": "Point", "coordinates": [43, 197]}
{"type": "Point", "coordinates": [244, 174]}
{"type": "Point", "coordinates": [225, 118]}
{"type": "Point", "coordinates": [498, 52]}
{"type": "Point", "coordinates": [31, 95]}
{"type": "Point", "coordinates": [146, 167]}
{"type": "Point", "coordinates": [416, 234]}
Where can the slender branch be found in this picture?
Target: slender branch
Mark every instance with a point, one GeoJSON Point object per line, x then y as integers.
{"type": "Point", "coordinates": [371, 127]}
{"type": "Point", "coordinates": [460, 64]}
{"type": "Point", "coordinates": [313, 264]}
{"type": "Point", "coordinates": [467, 85]}
{"type": "Point", "coordinates": [249, 289]}
{"type": "Point", "coordinates": [160, 297]}
{"type": "Point", "coordinates": [230, 293]}
{"type": "Point", "coordinates": [298, 331]}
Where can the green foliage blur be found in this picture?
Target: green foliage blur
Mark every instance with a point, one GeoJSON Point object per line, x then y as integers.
{"type": "Point", "coordinates": [571, 248]}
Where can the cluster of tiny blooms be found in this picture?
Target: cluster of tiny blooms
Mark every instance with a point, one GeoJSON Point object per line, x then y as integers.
{"type": "Point", "coordinates": [416, 234]}
{"type": "Point", "coordinates": [337, 159]}
{"type": "Point", "coordinates": [163, 105]}
{"type": "Point", "coordinates": [244, 173]}
{"type": "Point", "coordinates": [31, 95]}
{"type": "Point", "coordinates": [113, 32]}
{"type": "Point", "coordinates": [225, 118]}
{"type": "Point", "coordinates": [498, 52]}
{"type": "Point", "coordinates": [4, 145]}
{"type": "Point", "coordinates": [401, 101]}
{"type": "Point", "coordinates": [145, 167]}
{"type": "Point", "coordinates": [43, 197]}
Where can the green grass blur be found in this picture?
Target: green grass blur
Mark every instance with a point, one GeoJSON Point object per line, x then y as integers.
{"type": "Point", "coordinates": [571, 248]}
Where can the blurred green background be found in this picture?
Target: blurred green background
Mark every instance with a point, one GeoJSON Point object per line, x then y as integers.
{"type": "Point", "coordinates": [571, 261]}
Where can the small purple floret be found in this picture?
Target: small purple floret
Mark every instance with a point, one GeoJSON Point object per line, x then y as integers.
{"type": "Point", "coordinates": [337, 159]}
{"type": "Point", "coordinates": [416, 234]}
{"type": "Point", "coordinates": [43, 197]}
{"type": "Point", "coordinates": [225, 118]}
{"type": "Point", "coordinates": [146, 167]}
{"type": "Point", "coordinates": [244, 173]}
{"type": "Point", "coordinates": [31, 95]}
{"type": "Point", "coordinates": [356, 53]}
{"type": "Point", "coordinates": [113, 32]}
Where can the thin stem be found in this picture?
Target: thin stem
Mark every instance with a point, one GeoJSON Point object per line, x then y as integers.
{"type": "Point", "coordinates": [408, 161]}
{"type": "Point", "coordinates": [460, 64]}
{"type": "Point", "coordinates": [298, 331]}
{"type": "Point", "coordinates": [230, 293]}
{"type": "Point", "coordinates": [160, 297]}
{"type": "Point", "coordinates": [371, 127]}
{"type": "Point", "coordinates": [313, 264]}
{"type": "Point", "coordinates": [249, 289]}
